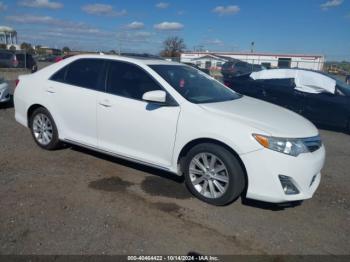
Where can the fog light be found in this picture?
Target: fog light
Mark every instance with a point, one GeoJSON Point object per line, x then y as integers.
{"type": "Point", "coordinates": [288, 186]}
{"type": "Point", "coordinates": [313, 180]}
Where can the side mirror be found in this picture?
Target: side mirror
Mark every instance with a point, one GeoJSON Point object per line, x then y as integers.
{"type": "Point", "coordinates": [158, 96]}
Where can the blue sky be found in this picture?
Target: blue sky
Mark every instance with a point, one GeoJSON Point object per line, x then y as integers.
{"type": "Point", "coordinates": [288, 26]}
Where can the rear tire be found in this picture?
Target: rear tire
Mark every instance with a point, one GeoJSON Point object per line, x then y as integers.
{"type": "Point", "coordinates": [43, 129]}
{"type": "Point", "coordinates": [213, 174]}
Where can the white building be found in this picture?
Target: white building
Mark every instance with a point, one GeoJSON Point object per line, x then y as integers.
{"type": "Point", "coordinates": [212, 59]}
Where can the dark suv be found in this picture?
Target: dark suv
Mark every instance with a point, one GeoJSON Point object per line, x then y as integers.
{"type": "Point", "coordinates": [26, 61]}
{"type": "Point", "coordinates": [9, 59]}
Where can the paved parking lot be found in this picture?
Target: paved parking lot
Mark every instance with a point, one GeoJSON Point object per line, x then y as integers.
{"type": "Point", "coordinates": [75, 201]}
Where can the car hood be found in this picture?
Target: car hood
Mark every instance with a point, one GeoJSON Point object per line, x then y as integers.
{"type": "Point", "coordinates": [273, 120]}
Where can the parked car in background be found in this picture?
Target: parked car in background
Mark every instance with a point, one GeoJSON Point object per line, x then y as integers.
{"type": "Point", "coordinates": [234, 68]}
{"type": "Point", "coordinates": [60, 58]}
{"type": "Point", "coordinates": [8, 59]}
{"type": "Point", "coordinates": [321, 98]}
{"type": "Point", "coordinates": [170, 116]}
{"type": "Point", "coordinates": [47, 58]}
{"type": "Point", "coordinates": [205, 70]}
{"type": "Point", "coordinates": [4, 91]}
{"type": "Point", "coordinates": [26, 61]}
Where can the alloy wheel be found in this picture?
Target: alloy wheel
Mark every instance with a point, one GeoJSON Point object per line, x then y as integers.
{"type": "Point", "coordinates": [42, 129]}
{"type": "Point", "coordinates": [209, 175]}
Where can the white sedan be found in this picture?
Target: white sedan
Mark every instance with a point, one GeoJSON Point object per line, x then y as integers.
{"type": "Point", "coordinates": [4, 91]}
{"type": "Point", "coordinates": [176, 118]}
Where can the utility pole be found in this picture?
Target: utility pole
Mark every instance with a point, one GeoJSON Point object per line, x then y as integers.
{"type": "Point", "coordinates": [252, 47]}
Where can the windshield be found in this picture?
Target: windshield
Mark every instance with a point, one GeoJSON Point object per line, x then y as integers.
{"type": "Point", "coordinates": [194, 85]}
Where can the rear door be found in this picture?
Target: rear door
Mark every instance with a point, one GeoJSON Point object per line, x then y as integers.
{"type": "Point", "coordinates": [73, 93]}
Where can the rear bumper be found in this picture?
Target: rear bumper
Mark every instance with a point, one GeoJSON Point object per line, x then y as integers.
{"type": "Point", "coordinates": [264, 167]}
{"type": "Point", "coordinates": [21, 109]}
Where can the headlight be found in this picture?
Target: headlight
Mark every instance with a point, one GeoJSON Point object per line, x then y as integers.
{"type": "Point", "coordinates": [288, 146]}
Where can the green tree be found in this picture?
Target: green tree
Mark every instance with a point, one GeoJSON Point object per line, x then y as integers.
{"type": "Point", "coordinates": [173, 47]}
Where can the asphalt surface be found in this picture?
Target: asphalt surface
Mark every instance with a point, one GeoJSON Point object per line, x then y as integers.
{"type": "Point", "coordinates": [75, 201]}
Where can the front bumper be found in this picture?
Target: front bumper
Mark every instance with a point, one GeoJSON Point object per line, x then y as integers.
{"type": "Point", "coordinates": [264, 167]}
{"type": "Point", "coordinates": [4, 93]}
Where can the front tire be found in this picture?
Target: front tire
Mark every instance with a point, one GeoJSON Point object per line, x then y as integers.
{"type": "Point", "coordinates": [213, 174]}
{"type": "Point", "coordinates": [43, 129]}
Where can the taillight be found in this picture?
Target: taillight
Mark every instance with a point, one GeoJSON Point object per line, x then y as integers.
{"type": "Point", "coordinates": [14, 62]}
{"type": "Point", "coordinates": [16, 82]}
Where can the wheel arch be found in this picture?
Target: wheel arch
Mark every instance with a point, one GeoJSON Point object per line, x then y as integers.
{"type": "Point", "coordinates": [31, 110]}
{"type": "Point", "coordinates": [198, 141]}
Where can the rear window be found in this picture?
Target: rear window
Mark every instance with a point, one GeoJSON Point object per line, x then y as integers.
{"type": "Point", "coordinates": [242, 65]}
{"type": "Point", "coordinates": [227, 65]}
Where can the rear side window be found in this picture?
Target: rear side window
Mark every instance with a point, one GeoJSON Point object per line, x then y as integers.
{"type": "Point", "coordinates": [129, 81]}
{"type": "Point", "coordinates": [285, 83]}
{"type": "Point", "coordinates": [60, 75]}
{"type": "Point", "coordinates": [85, 73]}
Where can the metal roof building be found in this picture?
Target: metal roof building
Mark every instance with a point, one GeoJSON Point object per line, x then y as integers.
{"type": "Point", "coordinates": [278, 60]}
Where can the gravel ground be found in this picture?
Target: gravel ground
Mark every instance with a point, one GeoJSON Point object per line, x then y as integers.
{"type": "Point", "coordinates": [75, 201]}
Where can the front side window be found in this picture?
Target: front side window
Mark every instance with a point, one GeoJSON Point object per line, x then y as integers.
{"type": "Point", "coordinates": [283, 83]}
{"type": "Point", "coordinates": [194, 85]}
{"type": "Point", "coordinates": [85, 73]}
{"type": "Point", "coordinates": [129, 81]}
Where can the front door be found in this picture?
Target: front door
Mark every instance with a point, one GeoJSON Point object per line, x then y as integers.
{"type": "Point", "coordinates": [327, 109]}
{"type": "Point", "coordinates": [131, 127]}
{"type": "Point", "coordinates": [282, 92]}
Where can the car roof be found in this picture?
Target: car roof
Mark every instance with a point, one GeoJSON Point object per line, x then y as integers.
{"type": "Point", "coordinates": [131, 59]}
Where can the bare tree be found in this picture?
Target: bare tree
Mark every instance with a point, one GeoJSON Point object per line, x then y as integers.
{"type": "Point", "coordinates": [173, 47]}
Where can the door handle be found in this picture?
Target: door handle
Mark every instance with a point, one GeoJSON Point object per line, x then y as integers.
{"type": "Point", "coordinates": [105, 103]}
{"type": "Point", "coordinates": [50, 90]}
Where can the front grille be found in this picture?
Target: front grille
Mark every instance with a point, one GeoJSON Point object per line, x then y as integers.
{"type": "Point", "coordinates": [313, 143]}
